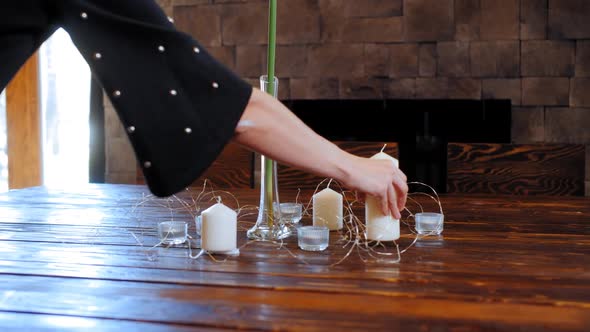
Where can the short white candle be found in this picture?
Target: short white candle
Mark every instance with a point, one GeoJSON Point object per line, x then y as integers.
{"type": "Point", "coordinates": [219, 227]}
{"type": "Point", "coordinates": [327, 209]}
{"type": "Point", "coordinates": [380, 227]}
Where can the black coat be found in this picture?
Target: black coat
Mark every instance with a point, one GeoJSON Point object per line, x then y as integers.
{"type": "Point", "coordinates": [179, 105]}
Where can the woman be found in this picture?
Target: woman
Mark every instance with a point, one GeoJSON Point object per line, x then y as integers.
{"type": "Point", "coordinates": [179, 105]}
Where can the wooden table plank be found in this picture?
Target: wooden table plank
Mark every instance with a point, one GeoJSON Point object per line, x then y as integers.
{"type": "Point", "coordinates": [417, 284]}
{"type": "Point", "coordinates": [264, 309]}
{"type": "Point", "coordinates": [11, 321]}
{"type": "Point", "coordinates": [425, 257]}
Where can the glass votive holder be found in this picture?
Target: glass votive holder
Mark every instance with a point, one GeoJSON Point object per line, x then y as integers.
{"type": "Point", "coordinates": [291, 212]}
{"type": "Point", "coordinates": [172, 232]}
{"type": "Point", "coordinates": [429, 223]}
{"type": "Point", "coordinates": [313, 238]}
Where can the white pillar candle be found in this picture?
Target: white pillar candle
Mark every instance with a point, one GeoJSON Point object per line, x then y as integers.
{"type": "Point", "coordinates": [380, 227]}
{"type": "Point", "coordinates": [219, 227]}
{"type": "Point", "coordinates": [327, 209]}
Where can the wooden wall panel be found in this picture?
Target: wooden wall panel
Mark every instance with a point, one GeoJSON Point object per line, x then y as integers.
{"type": "Point", "coordinates": [517, 169]}
{"type": "Point", "coordinates": [23, 122]}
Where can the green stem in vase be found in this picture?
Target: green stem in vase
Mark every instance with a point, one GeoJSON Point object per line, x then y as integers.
{"type": "Point", "coordinates": [268, 163]}
{"type": "Point", "coordinates": [272, 44]}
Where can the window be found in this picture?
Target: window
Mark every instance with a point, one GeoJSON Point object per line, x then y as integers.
{"type": "Point", "coordinates": [65, 104]}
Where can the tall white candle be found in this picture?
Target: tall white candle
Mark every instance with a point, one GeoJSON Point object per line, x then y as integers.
{"type": "Point", "coordinates": [327, 209]}
{"type": "Point", "coordinates": [380, 227]}
{"type": "Point", "coordinates": [219, 227]}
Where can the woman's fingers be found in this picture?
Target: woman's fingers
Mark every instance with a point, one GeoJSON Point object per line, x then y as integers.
{"type": "Point", "coordinates": [393, 202]}
{"type": "Point", "coordinates": [383, 180]}
{"type": "Point", "coordinates": [385, 204]}
{"type": "Point", "coordinates": [402, 192]}
{"type": "Point", "coordinates": [401, 201]}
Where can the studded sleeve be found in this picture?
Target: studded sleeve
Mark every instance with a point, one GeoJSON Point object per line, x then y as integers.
{"type": "Point", "coordinates": [178, 104]}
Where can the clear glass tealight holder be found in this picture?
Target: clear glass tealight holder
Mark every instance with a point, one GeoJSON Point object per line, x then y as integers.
{"type": "Point", "coordinates": [291, 212]}
{"type": "Point", "coordinates": [429, 223]}
{"type": "Point", "coordinates": [313, 238]}
{"type": "Point", "coordinates": [172, 232]}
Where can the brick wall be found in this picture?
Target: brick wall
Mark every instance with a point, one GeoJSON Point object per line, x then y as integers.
{"type": "Point", "coordinates": [535, 52]}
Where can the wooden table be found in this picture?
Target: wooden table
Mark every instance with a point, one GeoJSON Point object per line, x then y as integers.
{"type": "Point", "coordinates": [70, 260]}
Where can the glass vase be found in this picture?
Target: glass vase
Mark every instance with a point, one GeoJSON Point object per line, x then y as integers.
{"type": "Point", "coordinates": [269, 224]}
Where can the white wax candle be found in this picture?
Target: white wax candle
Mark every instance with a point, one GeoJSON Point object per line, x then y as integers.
{"type": "Point", "coordinates": [380, 227]}
{"type": "Point", "coordinates": [219, 227]}
{"type": "Point", "coordinates": [327, 209]}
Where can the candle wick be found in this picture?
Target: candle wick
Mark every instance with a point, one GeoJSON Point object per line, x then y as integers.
{"type": "Point", "coordinates": [383, 149]}
{"type": "Point", "coordinates": [329, 182]}
{"type": "Point", "coordinates": [218, 199]}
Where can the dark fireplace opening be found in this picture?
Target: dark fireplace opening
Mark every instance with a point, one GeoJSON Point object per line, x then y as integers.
{"type": "Point", "coordinates": [422, 128]}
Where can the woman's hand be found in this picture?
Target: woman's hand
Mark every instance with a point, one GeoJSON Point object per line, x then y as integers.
{"type": "Point", "coordinates": [379, 178]}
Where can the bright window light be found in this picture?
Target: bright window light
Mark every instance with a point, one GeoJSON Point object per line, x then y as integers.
{"type": "Point", "coordinates": [65, 104]}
